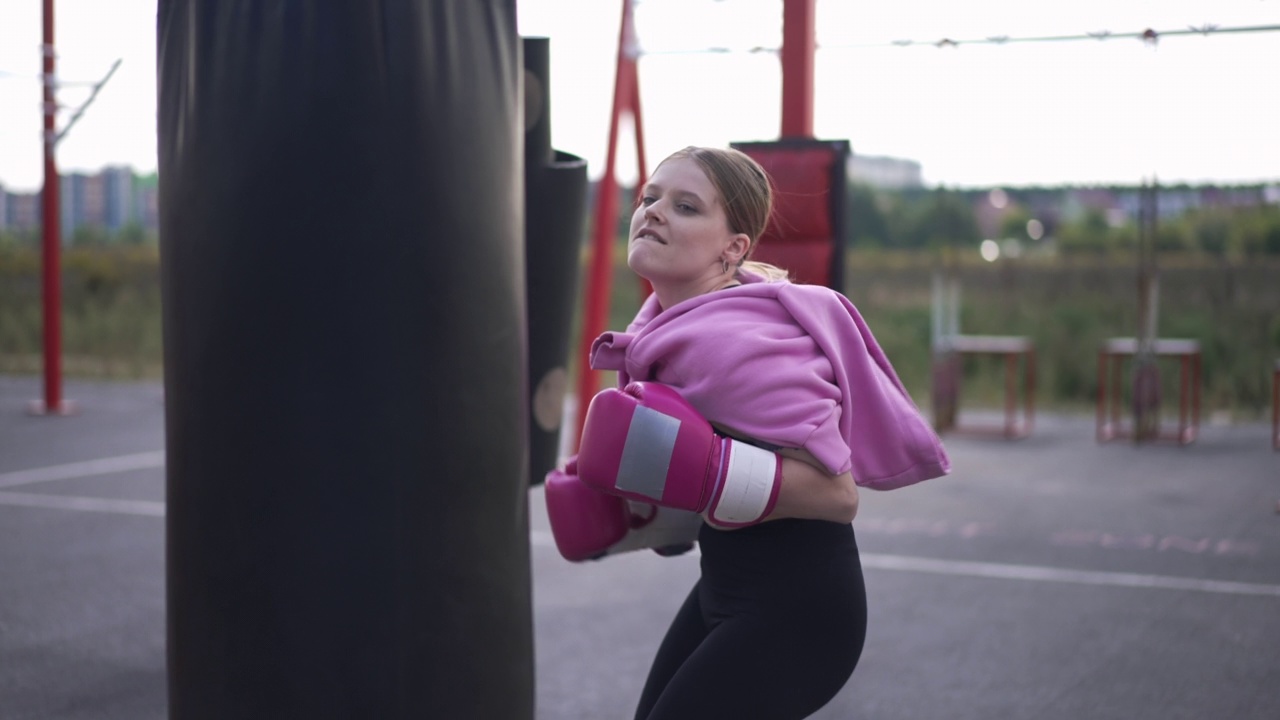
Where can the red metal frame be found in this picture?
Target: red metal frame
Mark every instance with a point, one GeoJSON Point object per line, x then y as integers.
{"type": "Point", "coordinates": [599, 282]}
{"type": "Point", "coordinates": [1012, 349]}
{"type": "Point", "coordinates": [1275, 407]}
{"type": "Point", "coordinates": [53, 402]}
{"type": "Point", "coordinates": [798, 45]}
{"type": "Point", "coordinates": [1111, 358]}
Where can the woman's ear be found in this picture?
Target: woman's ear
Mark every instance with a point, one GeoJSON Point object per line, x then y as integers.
{"type": "Point", "coordinates": [736, 251]}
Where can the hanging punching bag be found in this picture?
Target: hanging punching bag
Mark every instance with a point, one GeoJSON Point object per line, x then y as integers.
{"type": "Point", "coordinates": [344, 342]}
{"type": "Point", "coordinates": [555, 222]}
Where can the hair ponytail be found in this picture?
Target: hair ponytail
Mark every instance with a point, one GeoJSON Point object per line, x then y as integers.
{"type": "Point", "coordinates": [770, 273]}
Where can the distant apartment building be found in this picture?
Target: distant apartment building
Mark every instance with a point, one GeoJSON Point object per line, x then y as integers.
{"type": "Point", "coordinates": [117, 191]}
{"type": "Point", "coordinates": [888, 173]}
{"type": "Point", "coordinates": [145, 205]}
{"type": "Point", "coordinates": [26, 212]}
{"type": "Point", "coordinates": [83, 202]}
{"type": "Point", "coordinates": [19, 211]}
{"type": "Point", "coordinates": [1078, 202]}
{"type": "Point", "coordinates": [1121, 205]}
{"type": "Point", "coordinates": [1172, 202]}
{"type": "Point", "coordinates": [109, 199]}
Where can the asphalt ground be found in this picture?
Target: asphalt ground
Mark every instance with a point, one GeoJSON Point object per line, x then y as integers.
{"type": "Point", "coordinates": [1048, 577]}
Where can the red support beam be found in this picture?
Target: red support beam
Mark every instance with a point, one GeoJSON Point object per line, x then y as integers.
{"type": "Point", "coordinates": [599, 280]}
{"type": "Point", "coordinates": [798, 45]}
{"type": "Point", "coordinates": [52, 403]}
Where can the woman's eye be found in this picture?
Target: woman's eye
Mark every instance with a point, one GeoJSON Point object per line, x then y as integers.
{"type": "Point", "coordinates": [648, 200]}
{"type": "Point", "coordinates": [686, 207]}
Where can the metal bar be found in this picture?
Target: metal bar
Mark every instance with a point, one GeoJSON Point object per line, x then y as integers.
{"type": "Point", "coordinates": [1102, 397]}
{"type": "Point", "coordinates": [1010, 394]}
{"type": "Point", "coordinates": [1275, 408]}
{"type": "Point", "coordinates": [51, 230]}
{"type": "Point", "coordinates": [1116, 393]}
{"type": "Point", "coordinates": [1184, 368]}
{"type": "Point", "coordinates": [97, 87]}
{"type": "Point", "coordinates": [600, 276]}
{"type": "Point", "coordinates": [1031, 389]}
{"type": "Point", "coordinates": [798, 46]}
{"type": "Point", "coordinates": [1096, 36]}
{"type": "Point", "coordinates": [1195, 393]}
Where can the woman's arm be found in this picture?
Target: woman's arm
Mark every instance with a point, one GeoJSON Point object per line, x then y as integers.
{"type": "Point", "coordinates": [809, 492]}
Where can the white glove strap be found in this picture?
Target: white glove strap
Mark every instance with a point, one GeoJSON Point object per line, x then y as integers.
{"type": "Point", "coordinates": [748, 483]}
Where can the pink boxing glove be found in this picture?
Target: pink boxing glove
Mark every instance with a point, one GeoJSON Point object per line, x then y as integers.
{"type": "Point", "coordinates": [646, 443]}
{"type": "Point", "coordinates": [588, 524]}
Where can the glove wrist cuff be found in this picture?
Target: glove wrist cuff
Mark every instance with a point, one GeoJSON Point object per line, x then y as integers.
{"type": "Point", "coordinates": [748, 488]}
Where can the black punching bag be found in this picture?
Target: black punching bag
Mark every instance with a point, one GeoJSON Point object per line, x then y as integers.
{"type": "Point", "coordinates": [344, 339]}
{"type": "Point", "coordinates": [555, 222]}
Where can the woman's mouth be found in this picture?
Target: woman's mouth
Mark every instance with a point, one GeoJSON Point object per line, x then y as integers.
{"type": "Point", "coordinates": [649, 235]}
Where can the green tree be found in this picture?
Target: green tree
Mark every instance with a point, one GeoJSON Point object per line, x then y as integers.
{"type": "Point", "coordinates": [901, 222]}
{"type": "Point", "coordinates": [20, 238]}
{"type": "Point", "coordinates": [1258, 232]}
{"type": "Point", "coordinates": [865, 223]}
{"type": "Point", "coordinates": [131, 233]}
{"type": "Point", "coordinates": [1091, 234]}
{"type": "Point", "coordinates": [1212, 231]}
{"type": "Point", "coordinates": [948, 221]}
{"type": "Point", "coordinates": [1174, 236]}
{"type": "Point", "coordinates": [932, 219]}
{"type": "Point", "coordinates": [88, 236]}
{"type": "Point", "coordinates": [1271, 234]}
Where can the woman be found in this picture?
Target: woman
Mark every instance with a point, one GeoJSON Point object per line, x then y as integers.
{"type": "Point", "coordinates": [775, 625]}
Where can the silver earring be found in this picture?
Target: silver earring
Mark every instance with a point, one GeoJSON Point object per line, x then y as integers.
{"type": "Point", "coordinates": [724, 266]}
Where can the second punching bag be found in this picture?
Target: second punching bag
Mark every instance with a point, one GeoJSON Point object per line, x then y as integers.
{"type": "Point", "coordinates": [555, 217]}
{"type": "Point", "coordinates": [344, 342]}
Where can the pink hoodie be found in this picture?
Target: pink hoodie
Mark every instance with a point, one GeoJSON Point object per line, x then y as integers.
{"type": "Point", "coordinates": [785, 364]}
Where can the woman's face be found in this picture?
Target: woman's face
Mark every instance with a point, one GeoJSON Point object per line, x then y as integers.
{"type": "Point", "coordinates": [679, 233]}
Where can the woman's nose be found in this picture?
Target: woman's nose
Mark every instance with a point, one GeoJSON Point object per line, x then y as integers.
{"type": "Point", "coordinates": [651, 213]}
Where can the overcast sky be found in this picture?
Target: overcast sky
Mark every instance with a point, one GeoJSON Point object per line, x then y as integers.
{"type": "Point", "coordinates": [1190, 108]}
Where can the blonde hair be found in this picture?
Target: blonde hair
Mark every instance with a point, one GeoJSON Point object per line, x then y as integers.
{"type": "Point", "coordinates": [746, 193]}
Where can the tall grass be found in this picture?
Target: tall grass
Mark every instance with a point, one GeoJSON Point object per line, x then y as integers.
{"type": "Point", "coordinates": [110, 312]}
{"type": "Point", "coordinates": [1069, 307]}
{"type": "Point", "coordinates": [111, 317]}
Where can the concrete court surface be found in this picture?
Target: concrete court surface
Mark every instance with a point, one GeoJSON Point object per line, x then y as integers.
{"type": "Point", "coordinates": [1049, 577]}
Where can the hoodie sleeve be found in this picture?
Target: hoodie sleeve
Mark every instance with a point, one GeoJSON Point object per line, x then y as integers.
{"type": "Point", "coordinates": [889, 443]}
{"type": "Point", "coordinates": [609, 352]}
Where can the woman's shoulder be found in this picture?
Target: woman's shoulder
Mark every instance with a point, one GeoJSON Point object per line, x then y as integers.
{"type": "Point", "coordinates": [813, 297]}
{"type": "Point", "coordinates": [785, 287]}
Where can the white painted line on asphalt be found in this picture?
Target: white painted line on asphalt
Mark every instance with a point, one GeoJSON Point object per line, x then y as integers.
{"type": "Point", "coordinates": [1063, 575]}
{"type": "Point", "coordinates": [542, 538]}
{"type": "Point", "coordinates": [102, 466]}
{"type": "Point", "coordinates": [149, 508]}
{"type": "Point", "coordinates": [1033, 573]}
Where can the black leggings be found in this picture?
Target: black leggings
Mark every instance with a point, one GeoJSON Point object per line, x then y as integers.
{"type": "Point", "coordinates": [772, 630]}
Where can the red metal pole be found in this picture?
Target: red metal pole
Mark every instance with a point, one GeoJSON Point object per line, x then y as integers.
{"type": "Point", "coordinates": [1117, 362]}
{"type": "Point", "coordinates": [642, 166]}
{"type": "Point", "coordinates": [1010, 395]}
{"type": "Point", "coordinates": [1031, 389]}
{"type": "Point", "coordinates": [1102, 428]}
{"type": "Point", "coordinates": [1275, 407]}
{"type": "Point", "coordinates": [798, 46]}
{"type": "Point", "coordinates": [604, 229]}
{"type": "Point", "coordinates": [52, 404]}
